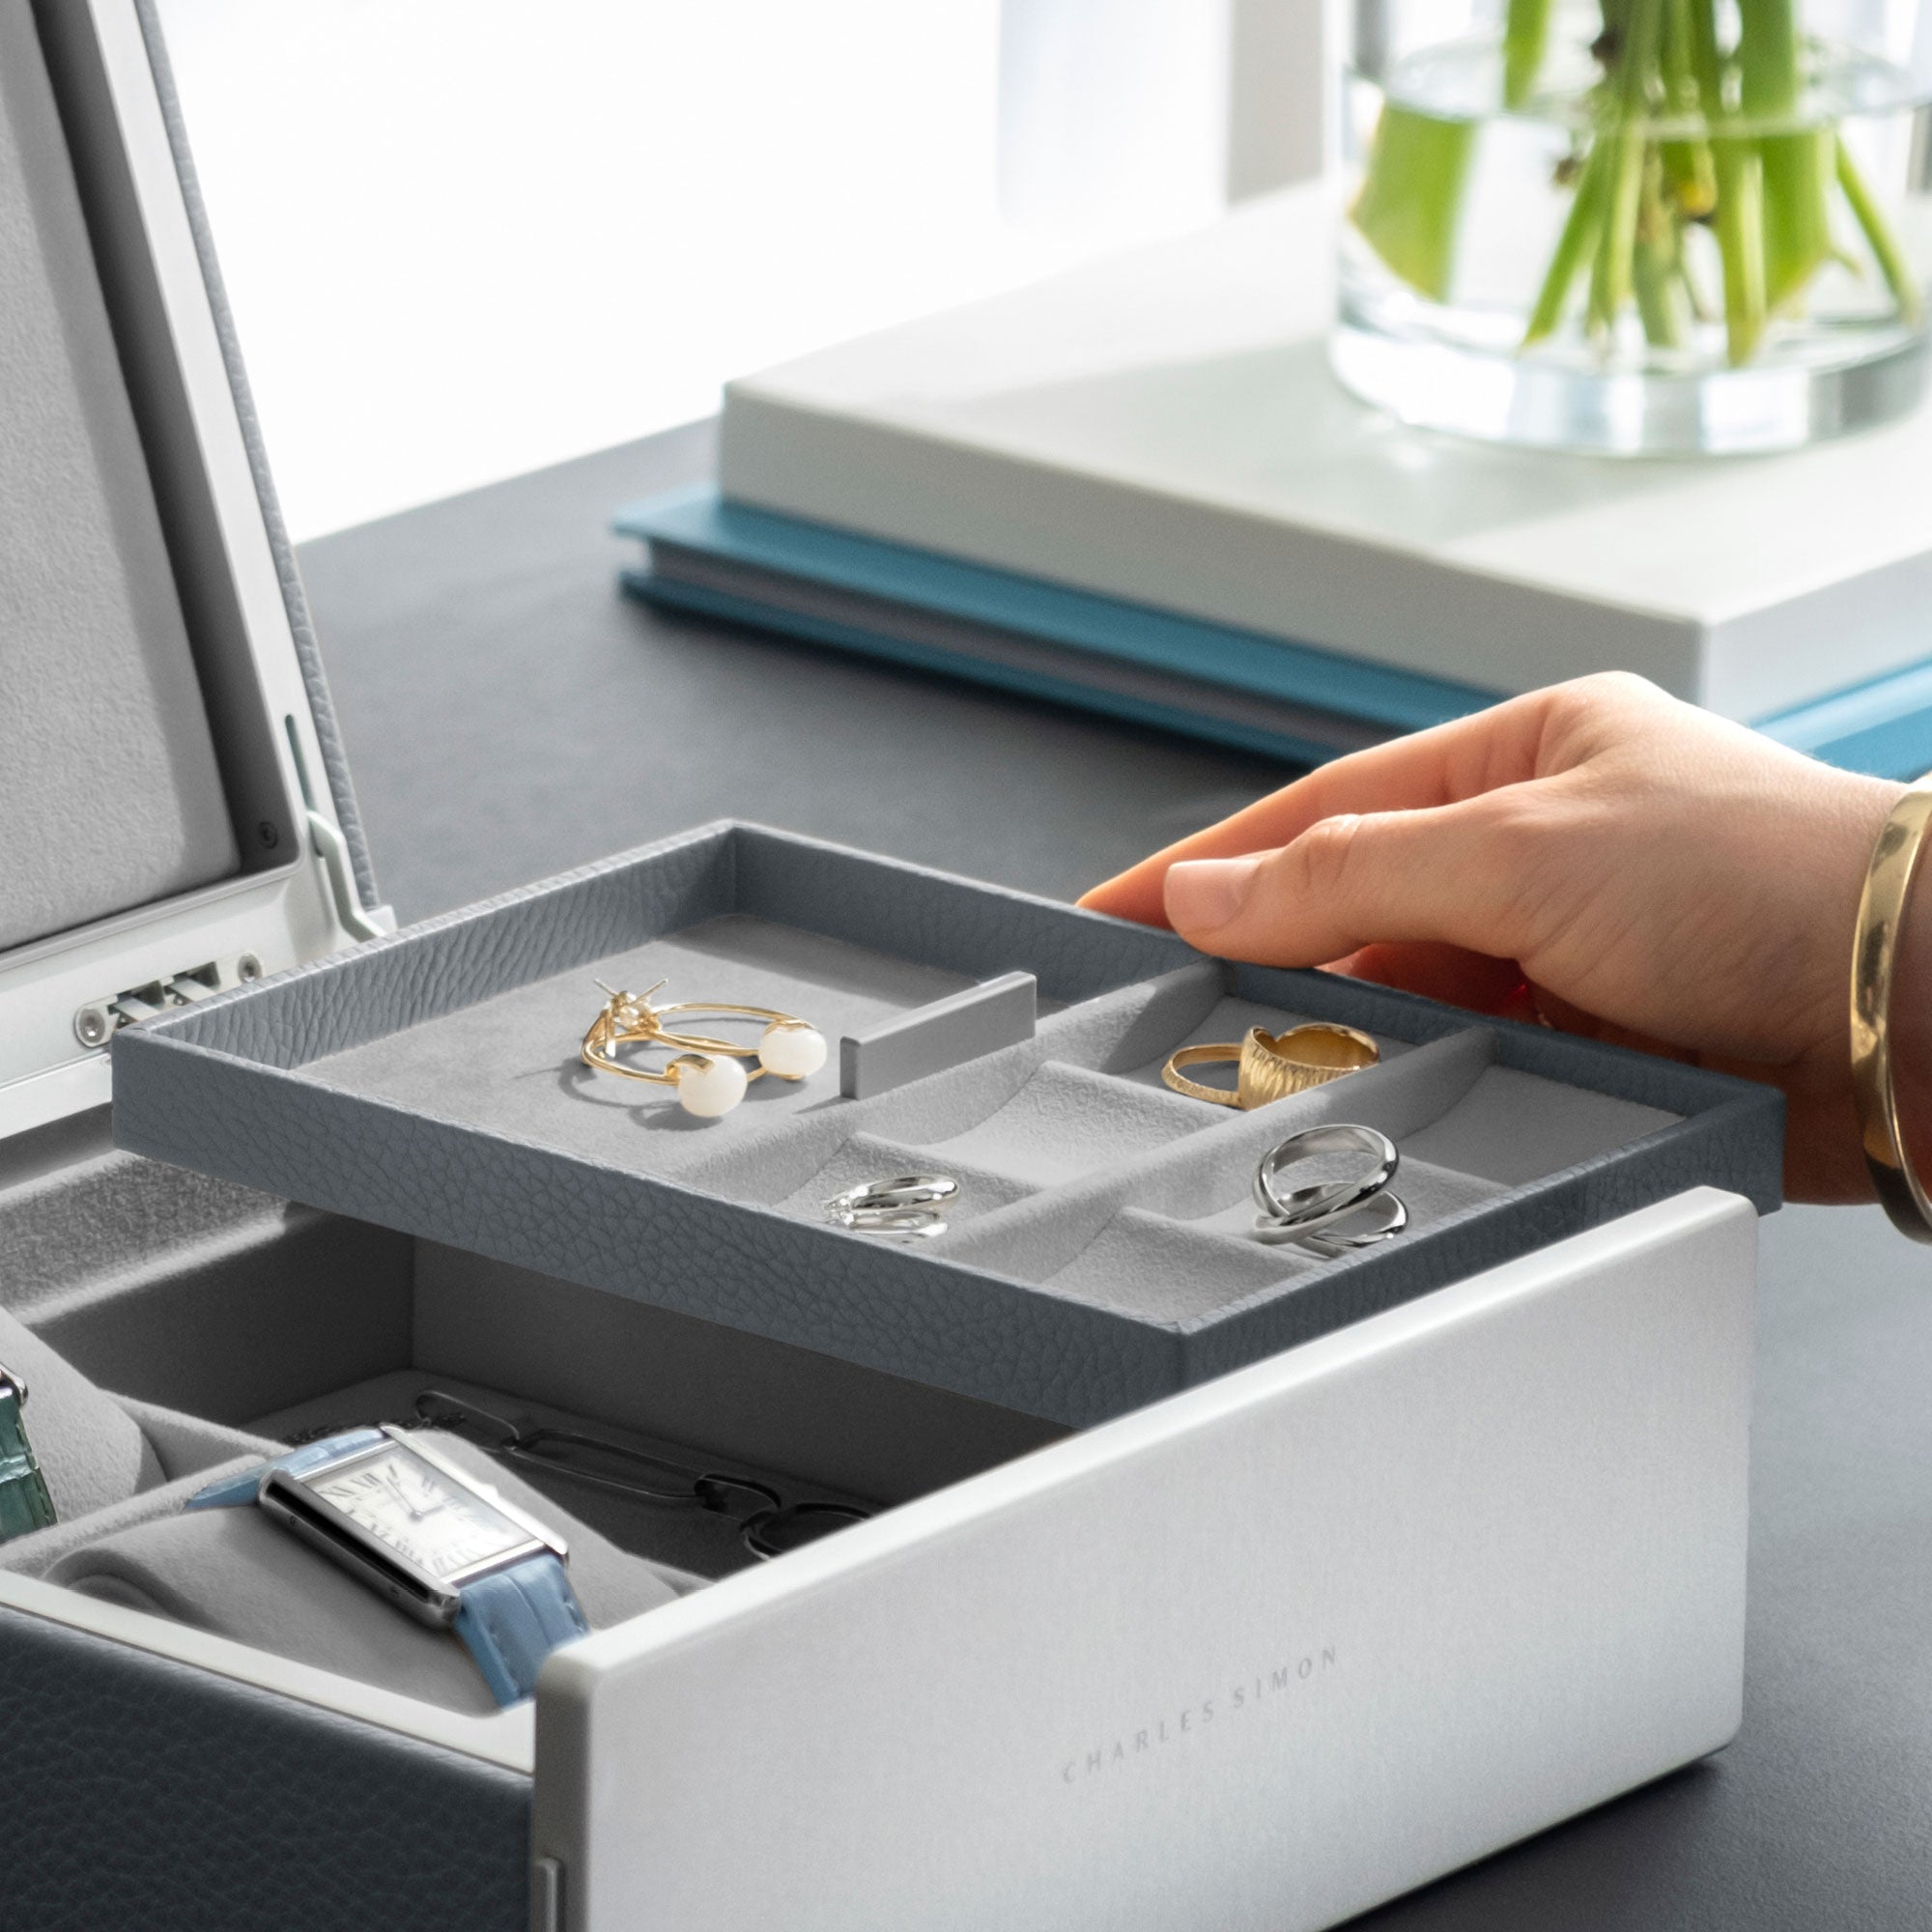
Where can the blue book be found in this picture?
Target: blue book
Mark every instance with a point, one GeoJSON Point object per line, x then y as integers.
{"type": "Point", "coordinates": [1231, 687]}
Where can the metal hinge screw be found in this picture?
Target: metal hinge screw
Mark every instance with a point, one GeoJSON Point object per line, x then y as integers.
{"type": "Point", "coordinates": [100, 1020]}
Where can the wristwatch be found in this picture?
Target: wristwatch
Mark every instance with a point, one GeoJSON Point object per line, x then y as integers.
{"type": "Point", "coordinates": [412, 1524]}
{"type": "Point", "coordinates": [24, 1501]}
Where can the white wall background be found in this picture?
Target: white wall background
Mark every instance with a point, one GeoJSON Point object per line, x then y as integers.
{"type": "Point", "coordinates": [465, 238]}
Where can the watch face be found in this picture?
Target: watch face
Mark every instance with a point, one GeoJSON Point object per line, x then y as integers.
{"type": "Point", "coordinates": [412, 1508]}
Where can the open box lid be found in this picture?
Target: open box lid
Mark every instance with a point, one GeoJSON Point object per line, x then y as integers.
{"type": "Point", "coordinates": [175, 809]}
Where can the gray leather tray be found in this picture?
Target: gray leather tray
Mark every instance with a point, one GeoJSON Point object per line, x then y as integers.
{"type": "Point", "coordinates": [429, 1082]}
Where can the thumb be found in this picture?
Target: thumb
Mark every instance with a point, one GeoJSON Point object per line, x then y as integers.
{"type": "Point", "coordinates": [1437, 876]}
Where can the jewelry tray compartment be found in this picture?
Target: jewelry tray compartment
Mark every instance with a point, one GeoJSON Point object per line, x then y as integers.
{"type": "Point", "coordinates": [1100, 1255]}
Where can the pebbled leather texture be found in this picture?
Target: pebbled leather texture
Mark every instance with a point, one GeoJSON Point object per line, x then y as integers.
{"type": "Point", "coordinates": [143, 1795]}
{"type": "Point", "coordinates": [219, 1088]}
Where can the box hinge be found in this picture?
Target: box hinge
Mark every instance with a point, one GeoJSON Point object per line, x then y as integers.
{"type": "Point", "coordinates": [96, 1022]}
{"type": "Point", "coordinates": [331, 852]}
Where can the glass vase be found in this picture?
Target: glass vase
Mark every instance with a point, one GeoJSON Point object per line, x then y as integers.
{"type": "Point", "coordinates": [1636, 227]}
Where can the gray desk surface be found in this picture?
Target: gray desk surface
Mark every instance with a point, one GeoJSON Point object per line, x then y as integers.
{"type": "Point", "coordinates": [509, 715]}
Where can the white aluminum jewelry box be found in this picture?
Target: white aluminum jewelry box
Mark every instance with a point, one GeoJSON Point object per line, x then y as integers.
{"type": "Point", "coordinates": [1213, 1585]}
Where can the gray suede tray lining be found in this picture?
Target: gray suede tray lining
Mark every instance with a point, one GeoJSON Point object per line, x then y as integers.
{"type": "Point", "coordinates": [1098, 1256]}
{"type": "Point", "coordinates": [109, 792]}
{"type": "Point", "coordinates": [1077, 1166]}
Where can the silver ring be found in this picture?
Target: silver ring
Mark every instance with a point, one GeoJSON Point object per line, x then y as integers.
{"type": "Point", "coordinates": [1328, 1200]}
{"type": "Point", "coordinates": [904, 1204]}
{"type": "Point", "coordinates": [1377, 1219]}
{"type": "Point", "coordinates": [901, 1191]}
{"type": "Point", "coordinates": [920, 1223]}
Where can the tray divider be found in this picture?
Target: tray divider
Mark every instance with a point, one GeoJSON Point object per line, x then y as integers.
{"type": "Point", "coordinates": [1399, 1095]}
{"type": "Point", "coordinates": [767, 1164]}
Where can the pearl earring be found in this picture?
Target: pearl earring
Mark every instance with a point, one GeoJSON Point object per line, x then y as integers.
{"type": "Point", "coordinates": [707, 1073]}
{"type": "Point", "coordinates": [707, 1088]}
{"type": "Point", "coordinates": [791, 1049]}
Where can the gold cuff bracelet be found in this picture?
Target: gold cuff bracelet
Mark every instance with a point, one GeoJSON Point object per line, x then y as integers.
{"type": "Point", "coordinates": [1874, 954]}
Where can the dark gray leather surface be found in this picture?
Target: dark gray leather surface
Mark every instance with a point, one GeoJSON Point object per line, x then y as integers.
{"type": "Point", "coordinates": [487, 635]}
{"type": "Point", "coordinates": [141, 1795]}
{"type": "Point", "coordinates": [462, 640]}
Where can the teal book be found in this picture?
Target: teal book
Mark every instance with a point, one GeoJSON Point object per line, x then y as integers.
{"type": "Point", "coordinates": [1296, 702]}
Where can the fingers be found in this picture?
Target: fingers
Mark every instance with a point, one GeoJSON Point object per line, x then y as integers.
{"type": "Point", "coordinates": [1450, 973]}
{"type": "Point", "coordinates": [1440, 766]}
{"type": "Point", "coordinates": [1448, 876]}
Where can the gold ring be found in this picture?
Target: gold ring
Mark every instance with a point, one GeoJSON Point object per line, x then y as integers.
{"type": "Point", "coordinates": [1270, 1067]}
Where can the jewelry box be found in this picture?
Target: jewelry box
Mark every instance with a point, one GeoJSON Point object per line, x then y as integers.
{"type": "Point", "coordinates": [1200, 1578]}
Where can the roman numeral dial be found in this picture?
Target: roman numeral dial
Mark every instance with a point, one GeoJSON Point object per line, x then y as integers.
{"type": "Point", "coordinates": [413, 1507]}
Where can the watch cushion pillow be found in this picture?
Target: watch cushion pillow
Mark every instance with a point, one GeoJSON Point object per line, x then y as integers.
{"type": "Point", "coordinates": [238, 1574]}
{"type": "Point", "coordinates": [91, 1451]}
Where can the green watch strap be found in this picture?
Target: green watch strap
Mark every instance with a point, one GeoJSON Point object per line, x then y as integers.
{"type": "Point", "coordinates": [24, 1501]}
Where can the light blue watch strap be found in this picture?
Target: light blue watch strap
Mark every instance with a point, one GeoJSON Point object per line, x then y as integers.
{"type": "Point", "coordinates": [509, 1621]}
{"type": "Point", "coordinates": [231, 1492]}
{"type": "Point", "coordinates": [514, 1619]}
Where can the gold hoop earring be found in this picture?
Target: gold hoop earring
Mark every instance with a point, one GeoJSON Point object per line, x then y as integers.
{"type": "Point", "coordinates": [706, 1072]}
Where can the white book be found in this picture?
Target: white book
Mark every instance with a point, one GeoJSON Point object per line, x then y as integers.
{"type": "Point", "coordinates": [1162, 427]}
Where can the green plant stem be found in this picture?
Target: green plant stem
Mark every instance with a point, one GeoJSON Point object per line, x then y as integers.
{"type": "Point", "coordinates": [1654, 262]}
{"type": "Point", "coordinates": [1525, 40]}
{"type": "Point", "coordinates": [1879, 238]}
{"type": "Point", "coordinates": [1610, 270]}
{"type": "Point", "coordinates": [1582, 226]}
{"type": "Point", "coordinates": [1796, 224]}
{"type": "Point", "coordinates": [1659, 297]}
{"type": "Point", "coordinates": [1412, 193]}
{"type": "Point", "coordinates": [1623, 136]}
{"type": "Point", "coordinates": [1761, 178]}
{"type": "Point", "coordinates": [1741, 246]}
{"type": "Point", "coordinates": [1688, 163]}
{"type": "Point", "coordinates": [1738, 218]}
{"type": "Point", "coordinates": [1797, 166]}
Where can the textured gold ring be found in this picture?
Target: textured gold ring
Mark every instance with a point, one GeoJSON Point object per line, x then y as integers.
{"type": "Point", "coordinates": [1270, 1067]}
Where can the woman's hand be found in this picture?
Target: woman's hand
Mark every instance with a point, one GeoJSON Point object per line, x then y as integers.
{"type": "Point", "coordinates": [1597, 855]}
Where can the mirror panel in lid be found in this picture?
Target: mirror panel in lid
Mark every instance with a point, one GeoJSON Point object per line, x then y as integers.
{"type": "Point", "coordinates": [175, 815]}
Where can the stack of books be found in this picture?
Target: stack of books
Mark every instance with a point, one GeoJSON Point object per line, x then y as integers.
{"type": "Point", "coordinates": [1136, 488]}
